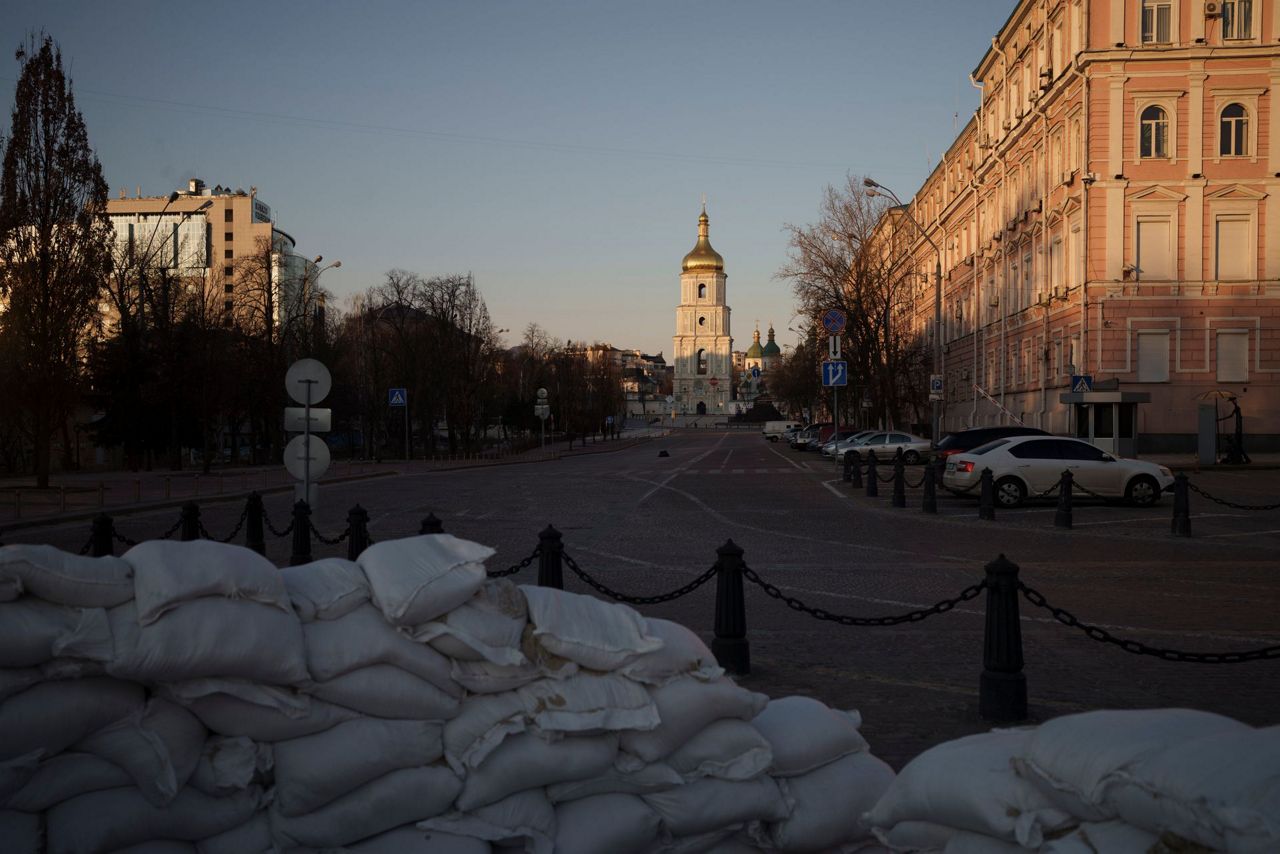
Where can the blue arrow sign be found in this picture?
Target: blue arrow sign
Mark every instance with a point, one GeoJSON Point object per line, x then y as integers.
{"type": "Point", "coordinates": [397, 397]}
{"type": "Point", "coordinates": [835, 373]}
{"type": "Point", "coordinates": [755, 372]}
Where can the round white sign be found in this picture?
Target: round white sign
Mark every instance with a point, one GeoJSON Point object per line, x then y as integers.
{"type": "Point", "coordinates": [297, 451]}
{"type": "Point", "coordinates": [308, 374]}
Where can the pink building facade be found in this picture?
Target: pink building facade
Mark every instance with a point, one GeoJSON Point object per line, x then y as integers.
{"type": "Point", "coordinates": [1113, 210]}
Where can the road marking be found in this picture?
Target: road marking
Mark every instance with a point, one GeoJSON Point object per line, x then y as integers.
{"type": "Point", "coordinates": [1158, 519]}
{"type": "Point", "coordinates": [837, 493]}
{"type": "Point", "coordinates": [1245, 534]}
{"type": "Point", "coordinates": [788, 459]}
{"type": "Point", "coordinates": [691, 462]}
{"type": "Point", "coordinates": [725, 461]}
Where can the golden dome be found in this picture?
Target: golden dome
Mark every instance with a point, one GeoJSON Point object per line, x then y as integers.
{"type": "Point", "coordinates": [703, 257]}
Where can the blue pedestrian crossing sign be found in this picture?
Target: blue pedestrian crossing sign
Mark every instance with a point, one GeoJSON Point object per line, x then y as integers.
{"type": "Point", "coordinates": [397, 397]}
{"type": "Point", "coordinates": [835, 373]}
{"type": "Point", "coordinates": [1081, 383]}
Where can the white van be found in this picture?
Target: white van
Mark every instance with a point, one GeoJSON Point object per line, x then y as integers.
{"type": "Point", "coordinates": [773, 430]}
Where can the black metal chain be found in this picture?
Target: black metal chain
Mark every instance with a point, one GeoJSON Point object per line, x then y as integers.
{"type": "Point", "coordinates": [204, 532]}
{"type": "Point", "coordinates": [1232, 504]}
{"type": "Point", "coordinates": [911, 485]}
{"type": "Point", "coordinates": [888, 479]}
{"type": "Point", "coordinates": [266, 520]}
{"type": "Point", "coordinates": [121, 538]}
{"type": "Point", "coordinates": [88, 544]}
{"type": "Point", "coordinates": [1138, 648]}
{"type": "Point", "coordinates": [822, 614]}
{"type": "Point", "coordinates": [640, 600]}
{"type": "Point", "coordinates": [1086, 490]}
{"type": "Point", "coordinates": [512, 570]}
{"type": "Point", "coordinates": [970, 488]}
{"type": "Point", "coordinates": [328, 541]}
{"type": "Point", "coordinates": [1050, 491]}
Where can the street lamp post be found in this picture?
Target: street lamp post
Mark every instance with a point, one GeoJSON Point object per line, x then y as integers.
{"type": "Point", "coordinates": [875, 189]}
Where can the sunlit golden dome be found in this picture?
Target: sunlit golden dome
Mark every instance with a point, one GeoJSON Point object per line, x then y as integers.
{"type": "Point", "coordinates": [703, 257]}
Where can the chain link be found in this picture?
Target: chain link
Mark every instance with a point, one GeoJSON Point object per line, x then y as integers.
{"type": "Point", "coordinates": [1232, 504]}
{"type": "Point", "coordinates": [514, 568]}
{"type": "Point", "coordinates": [640, 600]}
{"type": "Point", "coordinates": [970, 488]}
{"type": "Point", "coordinates": [822, 614]}
{"type": "Point", "coordinates": [1138, 648]}
{"type": "Point", "coordinates": [911, 485]}
{"type": "Point", "coordinates": [266, 520]}
{"type": "Point", "coordinates": [204, 532]}
{"type": "Point", "coordinates": [327, 540]}
{"type": "Point", "coordinates": [88, 544]}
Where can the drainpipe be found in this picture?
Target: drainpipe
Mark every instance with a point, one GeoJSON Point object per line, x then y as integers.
{"type": "Point", "coordinates": [978, 327]}
{"type": "Point", "coordinates": [1085, 184]}
{"type": "Point", "coordinates": [1045, 273]}
{"type": "Point", "coordinates": [1004, 297]}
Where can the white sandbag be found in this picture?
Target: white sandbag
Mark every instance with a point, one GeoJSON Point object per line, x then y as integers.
{"type": "Point", "coordinates": [411, 840]}
{"type": "Point", "coordinates": [480, 726]}
{"type": "Point", "coordinates": [965, 842]}
{"type": "Point", "coordinates": [968, 784]}
{"type": "Point", "coordinates": [316, 769]}
{"type": "Point", "coordinates": [15, 680]}
{"type": "Point", "coordinates": [399, 797]}
{"type": "Point", "coordinates": [63, 578]}
{"type": "Point", "coordinates": [73, 668]}
{"type": "Point", "coordinates": [33, 631]}
{"type": "Point", "coordinates": [712, 841]}
{"type": "Point", "coordinates": [487, 627]}
{"type": "Point", "coordinates": [21, 832]}
{"type": "Point", "coordinates": [229, 713]}
{"type": "Point", "coordinates": [729, 749]}
{"type": "Point", "coordinates": [64, 776]}
{"type": "Point", "coordinates": [706, 805]}
{"type": "Point", "coordinates": [682, 654]}
{"type": "Point", "coordinates": [1071, 759]}
{"type": "Point", "coordinates": [325, 589]}
{"type": "Point", "coordinates": [118, 818]}
{"type": "Point", "coordinates": [52, 716]}
{"type": "Point", "coordinates": [252, 837]}
{"type": "Point", "coordinates": [914, 835]}
{"type": "Point", "coordinates": [230, 763]}
{"type": "Point", "coordinates": [210, 637]}
{"type": "Point", "coordinates": [159, 746]}
{"type": "Point", "coordinates": [598, 635]}
{"type": "Point", "coordinates": [159, 846]}
{"type": "Point", "coordinates": [528, 761]}
{"type": "Point", "coordinates": [619, 824]}
{"type": "Point", "coordinates": [167, 573]}
{"type": "Point", "coordinates": [387, 692]}
{"type": "Point", "coordinates": [483, 677]}
{"type": "Point", "coordinates": [526, 819]}
{"type": "Point", "coordinates": [806, 734]}
{"type": "Point", "coordinates": [686, 706]}
{"type": "Point", "coordinates": [828, 804]}
{"type": "Point", "coordinates": [1221, 790]}
{"type": "Point", "coordinates": [416, 579]}
{"type": "Point", "coordinates": [1111, 837]}
{"type": "Point", "coordinates": [655, 777]}
{"type": "Point", "coordinates": [16, 772]}
{"type": "Point", "coordinates": [364, 638]}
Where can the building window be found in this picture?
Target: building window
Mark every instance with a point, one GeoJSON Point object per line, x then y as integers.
{"type": "Point", "coordinates": [228, 253]}
{"type": "Point", "coordinates": [229, 236]}
{"type": "Point", "coordinates": [1237, 19]}
{"type": "Point", "coordinates": [702, 361]}
{"type": "Point", "coordinates": [702, 291]}
{"type": "Point", "coordinates": [702, 321]}
{"type": "Point", "coordinates": [1156, 21]}
{"type": "Point", "coordinates": [1155, 132]}
{"type": "Point", "coordinates": [228, 270]}
{"type": "Point", "coordinates": [1233, 357]}
{"type": "Point", "coordinates": [1155, 249]}
{"type": "Point", "coordinates": [1233, 131]}
{"type": "Point", "coordinates": [1233, 255]}
{"type": "Point", "coordinates": [1153, 357]}
{"type": "Point", "coordinates": [228, 288]}
{"type": "Point", "coordinates": [227, 305]}
{"type": "Point", "coordinates": [227, 214]}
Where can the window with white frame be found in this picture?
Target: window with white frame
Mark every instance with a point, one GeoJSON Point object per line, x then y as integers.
{"type": "Point", "coordinates": [1157, 21]}
{"type": "Point", "coordinates": [1233, 247]}
{"type": "Point", "coordinates": [1075, 364]}
{"type": "Point", "coordinates": [1233, 356]}
{"type": "Point", "coordinates": [1153, 356]}
{"type": "Point", "coordinates": [1154, 133]}
{"type": "Point", "coordinates": [1028, 279]}
{"type": "Point", "coordinates": [1233, 131]}
{"type": "Point", "coordinates": [1154, 250]}
{"type": "Point", "coordinates": [1074, 259]}
{"type": "Point", "coordinates": [1056, 268]}
{"type": "Point", "coordinates": [1237, 19]}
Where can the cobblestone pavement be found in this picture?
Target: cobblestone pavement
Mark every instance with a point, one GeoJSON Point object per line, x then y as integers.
{"type": "Point", "coordinates": [647, 524]}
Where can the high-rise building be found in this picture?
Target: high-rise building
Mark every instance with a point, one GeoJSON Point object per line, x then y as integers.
{"type": "Point", "coordinates": [702, 346]}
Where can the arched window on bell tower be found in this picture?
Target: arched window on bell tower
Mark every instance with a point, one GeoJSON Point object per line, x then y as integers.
{"type": "Point", "coordinates": [702, 361]}
{"type": "Point", "coordinates": [702, 291]}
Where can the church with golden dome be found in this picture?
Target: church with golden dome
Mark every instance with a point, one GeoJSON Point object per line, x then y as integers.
{"type": "Point", "coordinates": [703, 346]}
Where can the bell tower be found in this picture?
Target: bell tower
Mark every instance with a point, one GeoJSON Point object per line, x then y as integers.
{"type": "Point", "coordinates": [702, 345]}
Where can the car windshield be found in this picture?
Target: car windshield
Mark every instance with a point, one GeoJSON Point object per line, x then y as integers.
{"type": "Point", "coordinates": [990, 446]}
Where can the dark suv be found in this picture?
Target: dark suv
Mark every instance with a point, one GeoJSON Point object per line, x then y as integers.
{"type": "Point", "coordinates": [967, 440]}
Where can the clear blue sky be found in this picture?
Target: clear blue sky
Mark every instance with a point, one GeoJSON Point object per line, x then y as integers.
{"type": "Point", "coordinates": [557, 150]}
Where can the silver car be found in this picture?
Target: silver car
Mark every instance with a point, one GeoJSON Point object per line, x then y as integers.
{"type": "Point", "coordinates": [886, 443]}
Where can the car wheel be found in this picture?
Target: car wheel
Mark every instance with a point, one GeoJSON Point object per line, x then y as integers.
{"type": "Point", "coordinates": [1142, 491]}
{"type": "Point", "coordinates": [910, 458]}
{"type": "Point", "coordinates": [1010, 492]}
{"type": "Point", "coordinates": [773, 438]}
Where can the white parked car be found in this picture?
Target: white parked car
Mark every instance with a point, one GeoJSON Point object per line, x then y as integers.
{"type": "Point", "coordinates": [837, 449]}
{"type": "Point", "coordinates": [886, 444]}
{"type": "Point", "coordinates": [1025, 466]}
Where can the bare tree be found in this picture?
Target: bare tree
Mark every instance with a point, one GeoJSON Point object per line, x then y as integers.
{"type": "Point", "coordinates": [54, 241]}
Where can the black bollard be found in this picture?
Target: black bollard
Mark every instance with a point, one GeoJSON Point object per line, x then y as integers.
{"type": "Point", "coordinates": [873, 481]}
{"type": "Point", "coordinates": [848, 466]}
{"type": "Point", "coordinates": [101, 541]}
{"type": "Point", "coordinates": [551, 558]}
{"type": "Point", "coordinates": [431, 525]}
{"type": "Point", "coordinates": [1002, 689]}
{"type": "Point", "coordinates": [899, 481]}
{"type": "Point", "coordinates": [190, 522]}
{"type": "Point", "coordinates": [358, 539]}
{"type": "Point", "coordinates": [1181, 506]}
{"type": "Point", "coordinates": [253, 534]}
{"type": "Point", "coordinates": [301, 534]}
{"type": "Point", "coordinates": [855, 469]}
{"type": "Point", "coordinates": [930, 502]}
{"type": "Point", "coordinates": [730, 645]}
{"type": "Point", "coordinates": [1062, 518]}
{"type": "Point", "coordinates": [987, 498]}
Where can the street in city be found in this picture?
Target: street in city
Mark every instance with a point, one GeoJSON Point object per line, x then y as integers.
{"type": "Point", "coordinates": [646, 524]}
